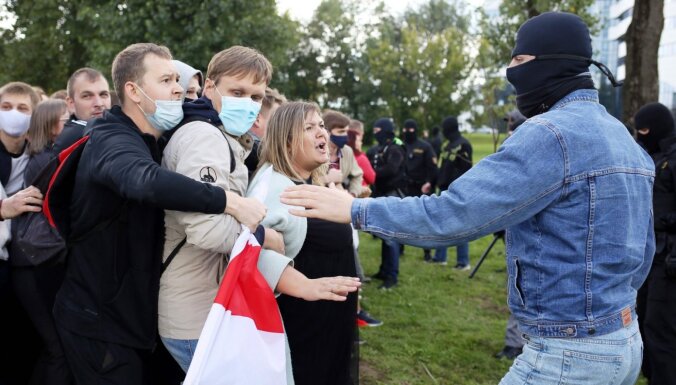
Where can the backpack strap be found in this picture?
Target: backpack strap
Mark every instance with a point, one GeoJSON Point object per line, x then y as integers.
{"type": "Point", "coordinates": [195, 118]}
{"type": "Point", "coordinates": [172, 255]}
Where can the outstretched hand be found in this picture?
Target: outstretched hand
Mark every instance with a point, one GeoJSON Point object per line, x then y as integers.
{"type": "Point", "coordinates": [320, 202]}
{"type": "Point", "coordinates": [329, 288]}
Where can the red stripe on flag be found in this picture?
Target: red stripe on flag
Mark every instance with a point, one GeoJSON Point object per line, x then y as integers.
{"type": "Point", "coordinates": [245, 292]}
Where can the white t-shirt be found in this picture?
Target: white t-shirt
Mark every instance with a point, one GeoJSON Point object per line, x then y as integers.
{"type": "Point", "coordinates": [15, 182]}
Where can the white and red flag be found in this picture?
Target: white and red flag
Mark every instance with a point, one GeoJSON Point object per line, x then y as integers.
{"type": "Point", "coordinates": [242, 341]}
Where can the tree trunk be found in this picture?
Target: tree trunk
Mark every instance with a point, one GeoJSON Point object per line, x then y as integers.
{"type": "Point", "coordinates": [641, 83]}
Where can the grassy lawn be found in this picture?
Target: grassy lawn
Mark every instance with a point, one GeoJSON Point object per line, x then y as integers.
{"type": "Point", "coordinates": [439, 326]}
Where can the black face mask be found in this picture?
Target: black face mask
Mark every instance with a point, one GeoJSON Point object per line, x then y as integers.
{"type": "Point", "coordinates": [539, 84]}
{"type": "Point", "coordinates": [382, 137]}
{"type": "Point", "coordinates": [410, 137]}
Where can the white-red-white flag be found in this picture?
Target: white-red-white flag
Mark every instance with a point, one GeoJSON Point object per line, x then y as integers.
{"type": "Point", "coordinates": [242, 341]}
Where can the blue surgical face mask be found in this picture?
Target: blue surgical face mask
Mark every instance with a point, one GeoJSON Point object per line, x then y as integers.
{"type": "Point", "coordinates": [237, 114]}
{"type": "Point", "coordinates": [339, 140]}
{"type": "Point", "coordinates": [168, 113]}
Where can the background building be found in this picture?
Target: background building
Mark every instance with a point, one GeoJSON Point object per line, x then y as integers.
{"type": "Point", "coordinates": [611, 49]}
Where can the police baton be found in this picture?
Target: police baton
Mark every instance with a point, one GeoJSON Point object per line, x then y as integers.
{"type": "Point", "coordinates": [485, 254]}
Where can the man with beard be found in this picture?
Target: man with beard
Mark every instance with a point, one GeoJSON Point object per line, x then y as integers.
{"type": "Point", "coordinates": [654, 126]}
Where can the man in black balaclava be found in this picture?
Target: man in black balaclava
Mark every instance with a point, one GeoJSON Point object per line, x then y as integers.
{"type": "Point", "coordinates": [454, 160]}
{"type": "Point", "coordinates": [574, 192]}
{"type": "Point", "coordinates": [653, 123]}
{"type": "Point", "coordinates": [550, 60]}
{"type": "Point", "coordinates": [421, 166]}
{"type": "Point", "coordinates": [656, 307]}
{"type": "Point", "coordinates": [389, 163]}
{"type": "Point", "coordinates": [435, 140]}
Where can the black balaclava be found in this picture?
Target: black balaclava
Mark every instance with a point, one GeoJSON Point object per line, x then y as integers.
{"type": "Point", "coordinates": [449, 128]}
{"type": "Point", "coordinates": [562, 48]}
{"type": "Point", "coordinates": [658, 119]}
{"type": "Point", "coordinates": [410, 137]}
{"type": "Point", "coordinates": [386, 132]}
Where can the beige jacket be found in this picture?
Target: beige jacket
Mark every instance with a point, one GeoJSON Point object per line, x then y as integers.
{"type": "Point", "coordinates": [352, 173]}
{"type": "Point", "coordinates": [189, 285]}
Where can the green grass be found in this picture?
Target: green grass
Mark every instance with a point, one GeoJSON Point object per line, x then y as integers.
{"type": "Point", "coordinates": [440, 327]}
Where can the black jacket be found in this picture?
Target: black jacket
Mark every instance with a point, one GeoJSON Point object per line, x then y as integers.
{"type": "Point", "coordinates": [73, 131]}
{"type": "Point", "coordinates": [454, 160]}
{"type": "Point", "coordinates": [389, 163]}
{"type": "Point", "coordinates": [6, 163]}
{"type": "Point", "coordinates": [421, 164]}
{"type": "Point", "coordinates": [112, 283]}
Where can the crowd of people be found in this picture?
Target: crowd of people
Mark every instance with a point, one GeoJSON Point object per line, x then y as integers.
{"type": "Point", "coordinates": [163, 188]}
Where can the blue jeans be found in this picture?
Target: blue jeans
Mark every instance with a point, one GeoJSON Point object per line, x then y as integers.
{"type": "Point", "coordinates": [389, 265]}
{"type": "Point", "coordinates": [181, 350]}
{"type": "Point", "coordinates": [613, 359]}
{"type": "Point", "coordinates": [462, 254]}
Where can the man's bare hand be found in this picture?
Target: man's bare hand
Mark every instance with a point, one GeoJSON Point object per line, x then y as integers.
{"type": "Point", "coordinates": [248, 211]}
{"type": "Point", "coordinates": [274, 241]}
{"type": "Point", "coordinates": [320, 202]}
{"type": "Point", "coordinates": [26, 200]}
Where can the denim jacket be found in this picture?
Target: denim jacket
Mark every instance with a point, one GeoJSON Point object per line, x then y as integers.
{"type": "Point", "coordinates": [574, 191]}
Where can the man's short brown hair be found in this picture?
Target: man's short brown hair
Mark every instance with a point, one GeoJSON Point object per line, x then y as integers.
{"type": "Point", "coordinates": [21, 88]}
{"type": "Point", "coordinates": [272, 97]}
{"type": "Point", "coordinates": [334, 119]}
{"type": "Point", "coordinates": [356, 126]}
{"type": "Point", "coordinates": [128, 64]}
{"type": "Point", "coordinates": [91, 74]}
{"type": "Point", "coordinates": [239, 62]}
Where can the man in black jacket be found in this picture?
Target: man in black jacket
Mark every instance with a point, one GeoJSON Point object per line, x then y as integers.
{"type": "Point", "coordinates": [454, 160]}
{"type": "Point", "coordinates": [656, 304]}
{"type": "Point", "coordinates": [88, 96]}
{"type": "Point", "coordinates": [389, 163]}
{"type": "Point", "coordinates": [106, 310]}
{"type": "Point", "coordinates": [421, 165]}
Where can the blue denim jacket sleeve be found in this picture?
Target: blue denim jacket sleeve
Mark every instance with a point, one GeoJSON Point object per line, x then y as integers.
{"type": "Point", "coordinates": [508, 187]}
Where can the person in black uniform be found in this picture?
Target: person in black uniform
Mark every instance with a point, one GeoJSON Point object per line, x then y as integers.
{"type": "Point", "coordinates": [454, 160]}
{"type": "Point", "coordinates": [421, 165]}
{"type": "Point", "coordinates": [389, 162]}
{"type": "Point", "coordinates": [657, 298]}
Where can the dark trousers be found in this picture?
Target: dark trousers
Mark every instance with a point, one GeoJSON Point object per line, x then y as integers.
{"type": "Point", "coordinates": [36, 289]}
{"type": "Point", "coordinates": [18, 358]}
{"type": "Point", "coordinates": [99, 362]}
{"type": "Point", "coordinates": [659, 326]}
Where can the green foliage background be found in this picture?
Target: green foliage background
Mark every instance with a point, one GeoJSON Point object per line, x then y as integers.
{"type": "Point", "coordinates": [354, 56]}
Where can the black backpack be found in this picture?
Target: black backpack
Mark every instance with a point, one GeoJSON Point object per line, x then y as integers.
{"type": "Point", "coordinates": [40, 238]}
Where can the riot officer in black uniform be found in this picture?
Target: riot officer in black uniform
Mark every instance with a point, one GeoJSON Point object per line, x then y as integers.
{"type": "Point", "coordinates": [421, 165]}
{"type": "Point", "coordinates": [654, 125]}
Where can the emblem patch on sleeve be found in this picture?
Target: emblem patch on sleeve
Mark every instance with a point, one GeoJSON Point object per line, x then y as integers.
{"type": "Point", "coordinates": [208, 175]}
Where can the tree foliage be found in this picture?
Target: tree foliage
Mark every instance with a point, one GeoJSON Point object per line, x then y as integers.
{"type": "Point", "coordinates": [58, 36]}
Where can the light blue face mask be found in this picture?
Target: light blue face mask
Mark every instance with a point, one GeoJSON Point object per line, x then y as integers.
{"type": "Point", "coordinates": [237, 114]}
{"type": "Point", "coordinates": [168, 113]}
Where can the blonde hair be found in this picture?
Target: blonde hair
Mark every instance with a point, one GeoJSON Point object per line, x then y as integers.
{"type": "Point", "coordinates": [239, 62]}
{"type": "Point", "coordinates": [284, 139]}
{"type": "Point", "coordinates": [43, 120]}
